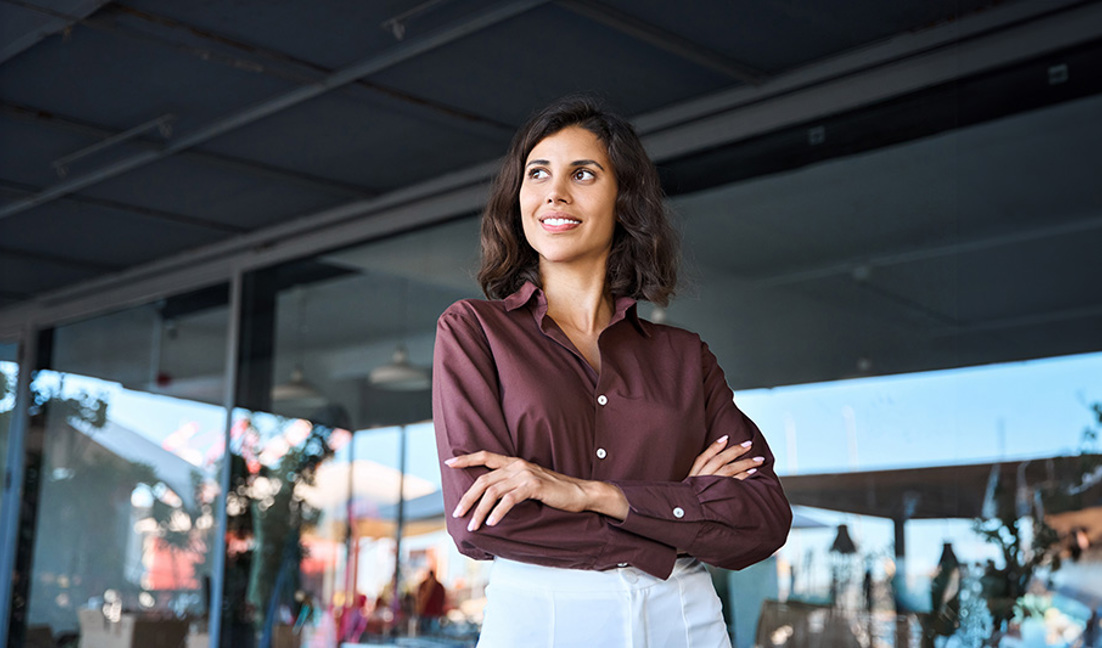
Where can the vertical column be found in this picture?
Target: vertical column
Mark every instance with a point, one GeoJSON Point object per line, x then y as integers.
{"type": "Point", "coordinates": [218, 570]}
{"type": "Point", "coordinates": [13, 482]}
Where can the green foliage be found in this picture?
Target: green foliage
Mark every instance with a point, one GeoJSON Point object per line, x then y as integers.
{"type": "Point", "coordinates": [1002, 588]}
{"type": "Point", "coordinates": [80, 406]}
{"type": "Point", "coordinates": [266, 506]}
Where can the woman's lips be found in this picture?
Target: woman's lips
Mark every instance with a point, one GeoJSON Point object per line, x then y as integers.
{"type": "Point", "coordinates": [559, 223]}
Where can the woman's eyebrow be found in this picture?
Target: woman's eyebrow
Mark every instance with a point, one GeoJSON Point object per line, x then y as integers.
{"type": "Point", "coordinates": [575, 163]}
{"type": "Point", "coordinates": [595, 163]}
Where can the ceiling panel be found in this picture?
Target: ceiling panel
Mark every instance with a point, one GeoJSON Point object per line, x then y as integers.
{"type": "Point", "coordinates": [330, 33]}
{"type": "Point", "coordinates": [122, 82]}
{"type": "Point", "coordinates": [203, 191]}
{"type": "Point", "coordinates": [28, 275]}
{"type": "Point", "coordinates": [121, 238]}
{"type": "Point", "coordinates": [778, 35]}
{"type": "Point", "coordinates": [28, 148]}
{"type": "Point", "coordinates": [507, 70]}
{"type": "Point", "coordinates": [359, 142]}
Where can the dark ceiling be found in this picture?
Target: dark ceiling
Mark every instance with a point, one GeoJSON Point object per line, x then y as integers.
{"type": "Point", "coordinates": [134, 132]}
{"type": "Point", "coordinates": [253, 140]}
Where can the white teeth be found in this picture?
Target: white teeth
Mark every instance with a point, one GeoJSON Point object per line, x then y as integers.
{"type": "Point", "coordinates": [555, 222]}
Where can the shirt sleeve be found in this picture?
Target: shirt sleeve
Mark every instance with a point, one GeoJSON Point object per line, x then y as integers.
{"type": "Point", "coordinates": [468, 417]}
{"type": "Point", "coordinates": [722, 521]}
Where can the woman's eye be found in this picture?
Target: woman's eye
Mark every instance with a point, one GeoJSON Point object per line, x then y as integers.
{"type": "Point", "coordinates": [537, 174]}
{"type": "Point", "coordinates": [584, 174]}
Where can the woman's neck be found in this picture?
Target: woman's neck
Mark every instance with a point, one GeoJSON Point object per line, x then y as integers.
{"type": "Point", "coordinates": [577, 299]}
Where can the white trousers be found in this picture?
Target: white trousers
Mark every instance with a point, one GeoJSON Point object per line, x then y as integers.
{"type": "Point", "coordinates": [529, 606]}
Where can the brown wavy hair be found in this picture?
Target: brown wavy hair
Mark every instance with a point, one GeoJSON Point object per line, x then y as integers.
{"type": "Point", "coordinates": [644, 257]}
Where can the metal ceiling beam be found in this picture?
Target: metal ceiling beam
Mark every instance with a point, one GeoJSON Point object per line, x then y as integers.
{"type": "Point", "coordinates": [157, 214]}
{"type": "Point", "coordinates": [401, 52]}
{"type": "Point", "coordinates": [48, 25]}
{"type": "Point", "coordinates": [251, 167]}
{"type": "Point", "coordinates": [275, 63]}
{"type": "Point", "coordinates": [56, 260]}
{"type": "Point", "coordinates": [665, 40]}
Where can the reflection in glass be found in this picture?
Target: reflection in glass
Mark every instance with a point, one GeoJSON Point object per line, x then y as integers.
{"type": "Point", "coordinates": [9, 375]}
{"type": "Point", "coordinates": [976, 520]}
{"type": "Point", "coordinates": [124, 449]}
{"type": "Point", "coordinates": [341, 345]}
{"type": "Point", "coordinates": [281, 544]}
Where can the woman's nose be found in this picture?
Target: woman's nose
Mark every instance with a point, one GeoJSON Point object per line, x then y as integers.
{"type": "Point", "coordinates": [558, 192]}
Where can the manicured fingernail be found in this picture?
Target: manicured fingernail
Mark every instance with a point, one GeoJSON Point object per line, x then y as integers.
{"type": "Point", "coordinates": [721, 440]}
{"type": "Point", "coordinates": [451, 461]}
{"type": "Point", "coordinates": [759, 459]}
{"type": "Point", "coordinates": [455, 513]}
{"type": "Point", "coordinates": [746, 444]}
{"type": "Point", "coordinates": [751, 471]}
{"type": "Point", "coordinates": [472, 526]}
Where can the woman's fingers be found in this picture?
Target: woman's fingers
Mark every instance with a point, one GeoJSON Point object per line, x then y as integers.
{"type": "Point", "coordinates": [480, 485]}
{"type": "Point", "coordinates": [714, 464]}
{"type": "Point", "coordinates": [481, 458]}
{"type": "Point", "coordinates": [740, 469]}
{"type": "Point", "coordinates": [485, 506]}
{"type": "Point", "coordinates": [712, 450]}
{"type": "Point", "coordinates": [509, 482]}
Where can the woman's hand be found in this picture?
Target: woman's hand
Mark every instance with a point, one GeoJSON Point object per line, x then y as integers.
{"type": "Point", "coordinates": [512, 480]}
{"type": "Point", "coordinates": [718, 459]}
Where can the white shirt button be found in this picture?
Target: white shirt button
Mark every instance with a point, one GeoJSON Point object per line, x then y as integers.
{"type": "Point", "coordinates": [601, 453]}
{"type": "Point", "coordinates": [679, 512]}
{"type": "Point", "coordinates": [602, 399]}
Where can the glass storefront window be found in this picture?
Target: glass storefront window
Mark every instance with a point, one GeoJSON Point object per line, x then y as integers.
{"type": "Point", "coordinates": [125, 441]}
{"type": "Point", "coordinates": [1001, 480]}
{"type": "Point", "coordinates": [337, 544]}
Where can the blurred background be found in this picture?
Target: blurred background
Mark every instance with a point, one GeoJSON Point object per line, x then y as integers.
{"type": "Point", "coordinates": [227, 230]}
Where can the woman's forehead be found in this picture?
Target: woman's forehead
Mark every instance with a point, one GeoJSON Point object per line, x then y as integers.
{"type": "Point", "coordinates": [570, 141]}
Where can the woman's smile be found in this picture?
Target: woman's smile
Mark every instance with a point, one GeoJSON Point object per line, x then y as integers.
{"type": "Point", "coordinates": [556, 222]}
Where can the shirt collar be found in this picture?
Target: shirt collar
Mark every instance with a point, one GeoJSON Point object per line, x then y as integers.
{"type": "Point", "coordinates": [529, 293]}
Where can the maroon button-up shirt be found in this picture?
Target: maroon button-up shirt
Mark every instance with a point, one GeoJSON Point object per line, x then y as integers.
{"type": "Point", "coordinates": [508, 380]}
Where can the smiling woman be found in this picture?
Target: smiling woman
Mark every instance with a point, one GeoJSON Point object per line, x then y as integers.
{"type": "Point", "coordinates": [643, 259]}
{"type": "Point", "coordinates": [585, 449]}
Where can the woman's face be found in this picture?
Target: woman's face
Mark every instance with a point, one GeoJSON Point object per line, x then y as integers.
{"type": "Point", "coordinates": [568, 199]}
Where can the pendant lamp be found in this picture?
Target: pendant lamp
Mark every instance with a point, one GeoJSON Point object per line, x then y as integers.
{"type": "Point", "coordinates": [297, 390]}
{"type": "Point", "coordinates": [400, 374]}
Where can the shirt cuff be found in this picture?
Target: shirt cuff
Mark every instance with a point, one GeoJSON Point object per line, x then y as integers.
{"type": "Point", "coordinates": [628, 549]}
{"type": "Point", "coordinates": [662, 512]}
